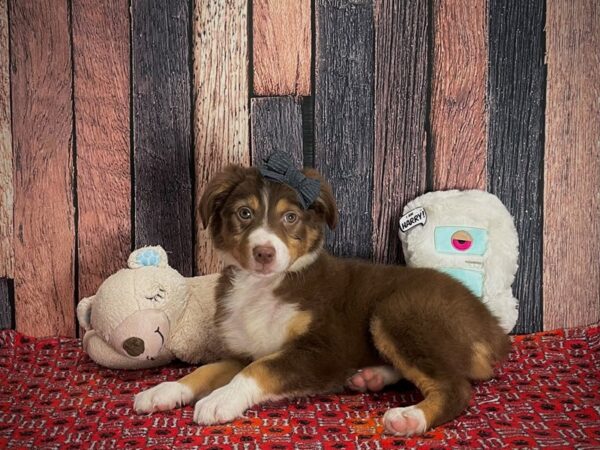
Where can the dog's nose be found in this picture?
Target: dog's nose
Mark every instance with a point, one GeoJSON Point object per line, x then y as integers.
{"type": "Point", "coordinates": [134, 346]}
{"type": "Point", "coordinates": [264, 254]}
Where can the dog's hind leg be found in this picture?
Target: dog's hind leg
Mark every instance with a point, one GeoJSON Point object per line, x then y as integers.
{"type": "Point", "coordinates": [446, 394]}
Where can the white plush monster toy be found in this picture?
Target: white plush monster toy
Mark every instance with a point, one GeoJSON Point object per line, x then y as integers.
{"type": "Point", "coordinates": [471, 236]}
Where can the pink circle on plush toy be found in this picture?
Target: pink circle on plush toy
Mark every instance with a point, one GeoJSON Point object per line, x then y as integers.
{"type": "Point", "coordinates": [142, 335]}
{"type": "Point", "coordinates": [462, 241]}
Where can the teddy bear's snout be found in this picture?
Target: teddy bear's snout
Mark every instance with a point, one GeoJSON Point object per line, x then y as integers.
{"type": "Point", "coordinates": [134, 346]}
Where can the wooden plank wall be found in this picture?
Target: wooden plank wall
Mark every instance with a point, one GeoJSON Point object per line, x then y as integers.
{"type": "Point", "coordinates": [400, 151]}
{"type": "Point", "coordinates": [516, 149]}
{"type": "Point", "coordinates": [162, 138]}
{"type": "Point", "coordinates": [42, 131]}
{"type": "Point", "coordinates": [6, 175]}
{"type": "Point", "coordinates": [281, 47]}
{"type": "Point", "coordinates": [113, 119]}
{"type": "Point", "coordinates": [458, 91]}
{"type": "Point", "coordinates": [102, 109]}
{"type": "Point", "coordinates": [344, 67]}
{"type": "Point", "coordinates": [572, 164]}
{"type": "Point", "coordinates": [221, 91]}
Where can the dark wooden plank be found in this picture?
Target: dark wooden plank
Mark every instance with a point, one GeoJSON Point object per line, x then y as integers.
{"type": "Point", "coordinates": [276, 124]}
{"type": "Point", "coordinates": [401, 63]}
{"type": "Point", "coordinates": [572, 165]}
{"type": "Point", "coordinates": [515, 150]}
{"type": "Point", "coordinates": [42, 119]}
{"type": "Point", "coordinates": [221, 122]}
{"type": "Point", "coordinates": [344, 117]}
{"type": "Point", "coordinates": [6, 166]}
{"type": "Point", "coordinates": [101, 90]}
{"type": "Point", "coordinates": [6, 306]}
{"type": "Point", "coordinates": [161, 129]}
{"type": "Point", "coordinates": [281, 43]}
{"type": "Point", "coordinates": [458, 91]}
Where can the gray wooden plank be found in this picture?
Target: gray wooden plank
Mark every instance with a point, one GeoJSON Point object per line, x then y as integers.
{"type": "Point", "coordinates": [344, 118]}
{"type": "Point", "coordinates": [162, 129]}
{"type": "Point", "coordinates": [6, 306]}
{"type": "Point", "coordinates": [400, 154]}
{"type": "Point", "coordinates": [516, 99]}
{"type": "Point", "coordinates": [276, 124]}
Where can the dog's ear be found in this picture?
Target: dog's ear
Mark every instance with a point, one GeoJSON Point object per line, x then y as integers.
{"type": "Point", "coordinates": [324, 205]}
{"type": "Point", "coordinates": [218, 189]}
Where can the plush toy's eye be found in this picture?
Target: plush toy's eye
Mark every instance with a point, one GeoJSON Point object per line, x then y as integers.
{"type": "Point", "coordinates": [461, 241]}
{"type": "Point", "coordinates": [158, 297]}
{"type": "Point", "coordinates": [245, 213]}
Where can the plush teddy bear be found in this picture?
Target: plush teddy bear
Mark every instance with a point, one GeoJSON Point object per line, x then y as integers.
{"type": "Point", "coordinates": [148, 314]}
{"type": "Point", "coordinates": [471, 236]}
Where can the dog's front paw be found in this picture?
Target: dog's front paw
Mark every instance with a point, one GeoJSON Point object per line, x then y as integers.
{"type": "Point", "coordinates": [165, 396]}
{"type": "Point", "coordinates": [222, 406]}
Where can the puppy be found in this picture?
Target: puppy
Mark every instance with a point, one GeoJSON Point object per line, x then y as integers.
{"type": "Point", "coordinates": [300, 321]}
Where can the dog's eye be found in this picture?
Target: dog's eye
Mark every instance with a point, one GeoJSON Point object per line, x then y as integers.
{"type": "Point", "coordinates": [245, 213]}
{"type": "Point", "coordinates": [290, 217]}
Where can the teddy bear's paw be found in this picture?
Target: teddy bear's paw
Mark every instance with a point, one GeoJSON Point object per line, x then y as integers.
{"type": "Point", "coordinates": [165, 396]}
{"type": "Point", "coordinates": [405, 421]}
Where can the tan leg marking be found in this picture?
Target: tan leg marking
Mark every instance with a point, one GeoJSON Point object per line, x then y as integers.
{"type": "Point", "coordinates": [264, 377]}
{"type": "Point", "coordinates": [209, 377]}
{"type": "Point", "coordinates": [481, 364]}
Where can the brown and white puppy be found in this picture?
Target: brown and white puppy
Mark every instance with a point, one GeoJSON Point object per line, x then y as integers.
{"type": "Point", "coordinates": [300, 321]}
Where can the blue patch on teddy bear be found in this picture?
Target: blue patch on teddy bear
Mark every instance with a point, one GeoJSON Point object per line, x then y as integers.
{"type": "Point", "coordinates": [148, 258]}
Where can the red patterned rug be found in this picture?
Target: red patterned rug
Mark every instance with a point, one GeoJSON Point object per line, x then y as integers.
{"type": "Point", "coordinates": [52, 396]}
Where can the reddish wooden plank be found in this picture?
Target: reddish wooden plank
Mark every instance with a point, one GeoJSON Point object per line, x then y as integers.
{"type": "Point", "coordinates": [101, 88]}
{"type": "Point", "coordinates": [6, 168]}
{"type": "Point", "coordinates": [43, 167]}
{"type": "Point", "coordinates": [572, 165]}
{"type": "Point", "coordinates": [401, 61]}
{"type": "Point", "coordinates": [459, 83]}
{"type": "Point", "coordinates": [281, 42]}
{"type": "Point", "coordinates": [221, 102]}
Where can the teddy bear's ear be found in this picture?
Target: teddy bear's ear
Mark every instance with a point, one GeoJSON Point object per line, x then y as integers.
{"type": "Point", "coordinates": [148, 256]}
{"type": "Point", "coordinates": [84, 312]}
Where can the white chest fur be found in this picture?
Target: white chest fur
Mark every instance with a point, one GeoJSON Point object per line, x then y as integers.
{"type": "Point", "coordinates": [255, 323]}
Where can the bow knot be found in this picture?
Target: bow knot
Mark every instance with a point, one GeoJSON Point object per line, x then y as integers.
{"type": "Point", "coordinates": [280, 168]}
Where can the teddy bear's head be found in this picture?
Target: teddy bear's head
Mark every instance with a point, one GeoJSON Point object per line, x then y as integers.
{"type": "Point", "coordinates": [136, 308]}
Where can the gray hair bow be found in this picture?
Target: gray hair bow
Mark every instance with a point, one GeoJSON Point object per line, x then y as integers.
{"type": "Point", "coordinates": [279, 167]}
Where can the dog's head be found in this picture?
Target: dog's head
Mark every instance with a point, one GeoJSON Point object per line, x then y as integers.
{"type": "Point", "coordinates": [260, 225]}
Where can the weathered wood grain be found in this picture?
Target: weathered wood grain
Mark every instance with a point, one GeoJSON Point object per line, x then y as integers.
{"type": "Point", "coordinates": [221, 118]}
{"type": "Point", "coordinates": [459, 83]}
{"type": "Point", "coordinates": [276, 125]}
{"type": "Point", "coordinates": [281, 42]}
{"type": "Point", "coordinates": [101, 91]}
{"type": "Point", "coordinates": [515, 149]}
{"type": "Point", "coordinates": [400, 157]}
{"type": "Point", "coordinates": [572, 165]}
{"type": "Point", "coordinates": [162, 129]}
{"type": "Point", "coordinates": [344, 117]}
{"type": "Point", "coordinates": [6, 307]}
{"type": "Point", "coordinates": [42, 122]}
{"type": "Point", "coordinates": [6, 166]}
